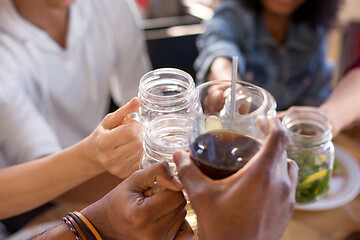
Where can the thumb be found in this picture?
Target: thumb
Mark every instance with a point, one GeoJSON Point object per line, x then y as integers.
{"type": "Point", "coordinates": [116, 118]}
{"type": "Point", "coordinates": [190, 176]}
{"type": "Point", "coordinates": [158, 173]}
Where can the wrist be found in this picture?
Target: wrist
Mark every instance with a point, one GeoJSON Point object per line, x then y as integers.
{"type": "Point", "coordinates": [337, 123]}
{"type": "Point", "coordinates": [96, 214]}
{"type": "Point", "coordinates": [84, 152]}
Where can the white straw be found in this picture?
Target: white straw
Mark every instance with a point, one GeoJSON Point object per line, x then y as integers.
{"type": "Point", "coordinates": [233, 89]}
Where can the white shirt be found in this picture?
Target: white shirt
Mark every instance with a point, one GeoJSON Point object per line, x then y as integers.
{"type": "Point", "coordinates": [50, 97]}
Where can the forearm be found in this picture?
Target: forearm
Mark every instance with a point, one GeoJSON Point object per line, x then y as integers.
{"type": "Point", "coordinates": [61, 232]}
{"type": "Point", "coordinates": [29, 185]}
{"type": "Point", "coordinates": [341, 105]}
{"type": "Point", "coordinates": [220, 69]}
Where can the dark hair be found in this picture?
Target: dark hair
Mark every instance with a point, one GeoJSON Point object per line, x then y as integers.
{"type": "Point", "coordinates": [314, 12]}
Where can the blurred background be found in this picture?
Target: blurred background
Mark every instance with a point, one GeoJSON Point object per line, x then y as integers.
{"type": "Point", "coordinates": [171, 28]}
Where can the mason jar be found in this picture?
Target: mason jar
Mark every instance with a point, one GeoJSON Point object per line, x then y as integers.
{"type": "Point", "coordinates": [164, 91]}
{"type": "Point", "coordinates": [310, 146]}
{"type": "Point", "coordinates": [164, 95]}
{"type": "Point", "coordinates": [164, 112]}
{"type": "Point", "coordinates": [251, 102]}
{"type": "Point", "coordinates": [163, 136]}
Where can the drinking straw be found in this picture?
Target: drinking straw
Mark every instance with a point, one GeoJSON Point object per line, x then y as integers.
{"type": "Point", "coordinates": [233, 89]}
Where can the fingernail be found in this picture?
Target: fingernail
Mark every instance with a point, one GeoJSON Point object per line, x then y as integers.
{"type": "Point", "coordinates": [176, 157]}
{"type": "Point", "coordinates": [177, 182]}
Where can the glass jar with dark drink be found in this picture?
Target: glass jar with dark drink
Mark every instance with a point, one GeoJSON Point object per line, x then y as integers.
{"type": "Point", "coordinates": [220, 153]}
{"type": "Point", "coordinates": [311, 147]}
{"type": "Point", "coordinates": [220, 144]}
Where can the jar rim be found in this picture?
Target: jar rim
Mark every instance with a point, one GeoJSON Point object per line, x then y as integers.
{"type": "Point", "coordinates": [265, 95]}
{"type": "Point", "coordinates": [312, 117]}
{"type": "Point", "coordinates": [156, 74]}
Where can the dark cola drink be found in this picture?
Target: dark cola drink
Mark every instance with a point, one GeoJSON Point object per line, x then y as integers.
{"type": "Point", "coordinates": [220, 153]}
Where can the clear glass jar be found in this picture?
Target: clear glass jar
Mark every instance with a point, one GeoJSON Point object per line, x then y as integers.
{"type": "Point", "coordinates": [251, 101]}
{"type": "Point", "coordinates": [164, 91]}
{"type": "Point", "coordinates": [163, 136]}
{"type": "Point", "coordinates": [310, 146]}
{"type": "Point", "coordinates": [164, 96]}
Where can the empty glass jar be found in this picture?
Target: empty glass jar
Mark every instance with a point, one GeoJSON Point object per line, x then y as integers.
{"type": "Point", "coordinates": [164, 91]}
{"type": "Point", "coordinates": [164, 96]}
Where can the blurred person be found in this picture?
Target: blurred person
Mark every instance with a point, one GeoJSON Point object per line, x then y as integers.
{"type": "Point", "coordinates": [60, 64]}
{"type": "Point", "coordinates": [280, 45]}
{"type": "Point", "coordinates": [254, 203]}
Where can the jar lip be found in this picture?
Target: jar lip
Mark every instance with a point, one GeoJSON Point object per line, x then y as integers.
{"type": "Point", "coordinates": [263, 93]}
{"type": "Point", "coordinates": [310, 117]}
{"type": "Point", "coordinates": [156, 74]}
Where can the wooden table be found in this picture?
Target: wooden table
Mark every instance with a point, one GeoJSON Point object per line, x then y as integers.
{"type": "Point", "coordinates": [332, 224]}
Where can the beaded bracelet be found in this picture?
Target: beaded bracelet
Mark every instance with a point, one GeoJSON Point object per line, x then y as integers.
{"type": "Point", "coordinates": [72, 228]}
{"type": "Point", "coordinates": [88, 225]}
{"type": "Point", "coordinates": [80, 232]}
{"type": "Point", "coordinates": [88, 234]}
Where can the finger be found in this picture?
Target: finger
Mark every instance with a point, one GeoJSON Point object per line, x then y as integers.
{"type": "Point", "coordinates": [190, 176]}
{"type": "Point", "coordinates": [185, 232]}
{"type": "Point", "coordinates": [116, 118]}
{"type": "Point", "coordinates": [244, 108]}
{"type": "Point", "coordinates": [263, 124]}
{"type": "Point", "coordinates": [280, 115]}
{"type": "Point", "coordinates": [296, 110]}
{"type": "Point", "coordinates": [128, 120]}
{"type": "Point", "coordinates": [174, 221]}
{"type": "Point", "coordinates": [127, 166]}
{"type": "Point", "coordinates": [159, 173]}
{"type": "Point", "coordinates": [129, 149]}
{"type": "Point", "coordinates": [293, 170]}
{"type": "Point", "coordinates": [274, 145]}
{"type": "Point", "coordinates": [163, 202]}
{"type": "Point", "coordinates": [122, 135]}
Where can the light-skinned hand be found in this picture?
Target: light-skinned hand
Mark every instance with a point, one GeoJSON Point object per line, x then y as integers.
{"type": "Point", "coordinates": [116, 143]}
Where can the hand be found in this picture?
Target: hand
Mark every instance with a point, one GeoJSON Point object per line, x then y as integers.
{"type": "Point", "coordinates": [281, 114]}
{"type": "Point", "coordinates": [254, 203]}
{"type": "Point", "coordinates": [215, 98]}
{"type": "Point", "coordinates": [116, 143]}
{"type": "Point", "coordinates": [299, 109]}
{"type": "Point", "coordinates": [129, 212]}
